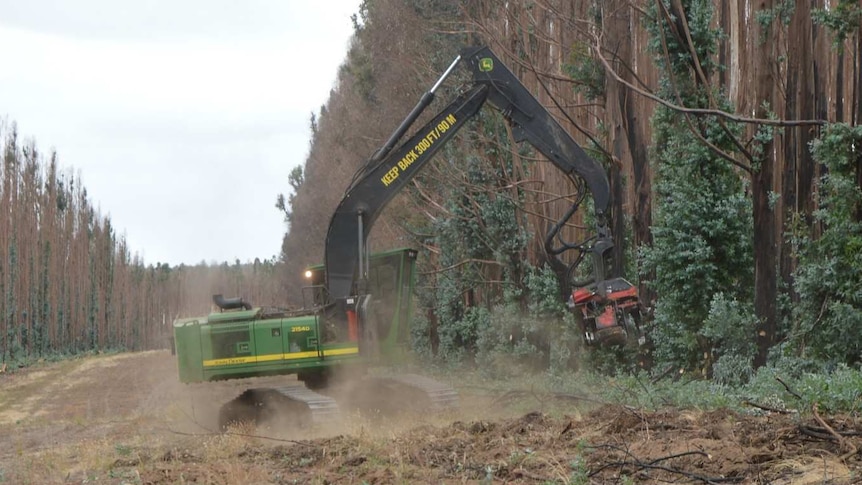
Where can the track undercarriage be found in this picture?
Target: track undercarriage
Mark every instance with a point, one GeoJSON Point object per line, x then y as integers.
{"type": "Point", "coordinates": [296, 406]}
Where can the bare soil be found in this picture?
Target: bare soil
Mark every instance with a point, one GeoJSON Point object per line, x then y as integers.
{"type": "Point", "coordinates": [126, 419]}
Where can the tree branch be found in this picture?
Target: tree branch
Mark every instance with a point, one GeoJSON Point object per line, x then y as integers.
{"type": "Point", "coordinates": [705, 111]}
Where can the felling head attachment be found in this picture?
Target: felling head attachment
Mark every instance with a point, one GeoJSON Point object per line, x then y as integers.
{"type": "Point", "coordinates": [610, 313]}
{"type": "Point", "coordinates": [230, 303]}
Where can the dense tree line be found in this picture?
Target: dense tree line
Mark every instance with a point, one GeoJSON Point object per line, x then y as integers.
{"type": "Point", "coordinates": [727, 128]}
{"type": "Point", "coordinates": [69, 283]}
{"type": "Point", "coordinates": [704, 113]}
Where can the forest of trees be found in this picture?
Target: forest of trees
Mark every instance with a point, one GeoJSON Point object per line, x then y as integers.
{"type": "Point", "coordinates": [728, 132]}
{"type": "Point", "coordinates": [70, 284]}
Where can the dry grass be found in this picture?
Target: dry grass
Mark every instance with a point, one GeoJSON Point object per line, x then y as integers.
{"type": "Point", "coordinates": [86, 461]}
{"type": "Point", "coordinates": [21, 390]}
{"type": "Point", "coordinates": [811, 471]}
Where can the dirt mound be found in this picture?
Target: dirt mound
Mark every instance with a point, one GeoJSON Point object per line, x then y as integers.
{"type": "Point", "coordinates": [127, 420]}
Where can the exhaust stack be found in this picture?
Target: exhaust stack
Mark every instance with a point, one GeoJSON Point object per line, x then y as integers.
{"type": "Point", "coordinates": [230, 303]}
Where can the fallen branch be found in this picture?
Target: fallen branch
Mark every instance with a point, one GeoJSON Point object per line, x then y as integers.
{"type": "Point", "coordinates": [767, 408]}
{"type": "Point", "coordinates": [691, 475]}
{"type": "Point", "coordinates": [816, 433]}
{"type": "Point", "coordinates": [791, 391]}
{"type": "Point", "coordinates": [652, 465]}
{"type": "Point", "coordinates": [822, 433]}
{"type": "Point", "coordinates": [668, 371]}
{"type": "Point", "coordinates": [842, 442]}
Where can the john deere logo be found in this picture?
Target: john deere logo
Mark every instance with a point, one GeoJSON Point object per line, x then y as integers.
{"type": "Point", "coordinates": [486, 64]}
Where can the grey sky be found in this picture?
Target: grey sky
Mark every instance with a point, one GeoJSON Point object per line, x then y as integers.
{"type": "Point", "coordinates": [184, 118]}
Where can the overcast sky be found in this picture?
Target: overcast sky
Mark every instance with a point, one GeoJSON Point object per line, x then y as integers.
{"type": "Point", "coordinates": [183, 118]}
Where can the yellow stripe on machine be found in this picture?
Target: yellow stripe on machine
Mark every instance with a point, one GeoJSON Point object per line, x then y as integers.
{"type": "Point", "coordinates": [271, 357]}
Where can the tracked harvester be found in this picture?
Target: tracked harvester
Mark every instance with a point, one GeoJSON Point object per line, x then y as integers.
{"type": "Point", "coordinates": [359, 304]}
{"type": "Point", "coordinates": [242, 341]}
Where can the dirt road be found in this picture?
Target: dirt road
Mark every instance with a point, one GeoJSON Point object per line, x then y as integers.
{"type": "Point", "coordinates": [58, 420]}
{"type": "Point", "coordinates": [126, 419]}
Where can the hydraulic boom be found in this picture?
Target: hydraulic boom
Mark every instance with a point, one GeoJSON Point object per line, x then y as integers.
{"type": "Point", "coordinates": [608, 304]}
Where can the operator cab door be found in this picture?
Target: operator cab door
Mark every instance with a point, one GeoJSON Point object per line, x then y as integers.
{"type": "Point", "coordinates": [383, 277]}
{"type": "Point", "coordinates": [390, 279]}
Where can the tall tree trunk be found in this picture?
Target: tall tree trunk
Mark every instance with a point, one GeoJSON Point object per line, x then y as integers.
{"type": "Point", "coordinates": [765, 247]}
{"type": "Point", "coordinates": [628, 140]}
{"type": "Point", "coordinates": [797, 181]}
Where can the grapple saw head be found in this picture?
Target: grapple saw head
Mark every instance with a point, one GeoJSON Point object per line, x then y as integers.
{"type": "Point", "coordinates": [609, 312]}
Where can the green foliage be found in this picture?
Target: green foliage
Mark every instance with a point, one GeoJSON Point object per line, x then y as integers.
{"type": "Point", "coordinates": [836, 391]}
{"type": "Point", "coordinates": [781, 11]}
{"type": "Point", "coordinates": [702, 242]}
{"type": "Point", "coordinates": [730, 329]}
{"type": "Point", "coordinates": [792, 383]}
{"type": "Point", "coordinates": [641, 390]}
{"type": "Point", "coordinates": [828, 279]}
{"type": "Point", "coordinates": [420, 337]}
{"type": "Point", "coordinates": [436, 9]}
{"type": "Point", "coordinates": [459, 336]}
{"type": "Point", "coordinates": [672, 53]}
{"type": "Point", "coordinates": [703, 219]}
{"type": "Point", "coordinates": [788, 384]}
{"type": "Point", "coordinates": [580, 472]}
{"type": "Point", "coordinates": [842, 20]}
{"type": "Point", "coordinates": [360, 67]}
{"type": "Point", "coordinates": [360, 19]}
{"type": "Point", "coordinates": [123, 450]}
{"type": "Point", "coordinates": [295, 179]}
{"type": "Point", "coordinates": [544, 293]}
{"type": "Point", "coordinates": [611, 361]}
{"type": "Point", "coordinates": [566, 347]}
{"type": "Point", "coordinates": [784, 384]}
{"type": "Point", "coordinates": [587, 72]}
{"type": "Point", "coordinates": [479, 239]}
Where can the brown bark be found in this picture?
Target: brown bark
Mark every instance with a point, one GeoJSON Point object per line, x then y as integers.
{"type": "Point", "coordinates": [765, 237]}
{"type": "Point", "coordinates": [629, 138]}
{"type": "Point", "coordinates": [797, 175]}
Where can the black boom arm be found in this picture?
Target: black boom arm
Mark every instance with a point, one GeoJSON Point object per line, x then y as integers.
{"type": "Point", "coordinates": [388, 171]}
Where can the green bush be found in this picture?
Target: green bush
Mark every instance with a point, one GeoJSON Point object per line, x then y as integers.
{"type": "Point", "coordinates": [702, 229]}
{"type": "Point", "coordinates": [730, 327]}
{"type": "Point", "coordinates": [828, 319]}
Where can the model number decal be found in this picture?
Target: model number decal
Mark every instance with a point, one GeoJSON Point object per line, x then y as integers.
{"type": "Point", "coordinates": [420, 148]}
{"type": "Point", "coordinates": [300, 329]}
